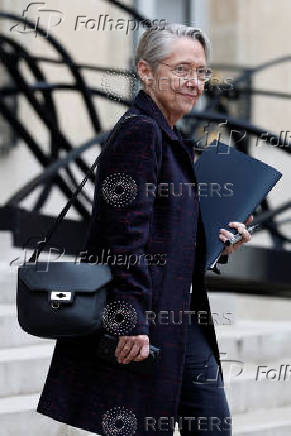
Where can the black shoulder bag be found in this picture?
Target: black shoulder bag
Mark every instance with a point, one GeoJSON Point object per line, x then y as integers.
{"type": "Point", "coordinates": [62, 299]}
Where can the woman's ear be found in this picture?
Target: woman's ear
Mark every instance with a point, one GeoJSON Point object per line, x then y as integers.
{"type": "Point", "coordinates": [145, 73]}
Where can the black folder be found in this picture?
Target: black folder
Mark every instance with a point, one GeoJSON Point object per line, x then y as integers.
{"type": "Point", "coordinates": [231, 186]}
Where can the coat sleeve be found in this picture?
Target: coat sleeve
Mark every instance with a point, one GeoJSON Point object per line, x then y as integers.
{"type": "Point", "coordinates": [127, 178]}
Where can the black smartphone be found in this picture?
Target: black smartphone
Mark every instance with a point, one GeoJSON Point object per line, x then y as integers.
{"type": "Point", "coordinates": [106, 351]}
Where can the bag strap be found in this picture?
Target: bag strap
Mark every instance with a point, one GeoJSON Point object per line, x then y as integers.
{"type": "Point", "coordinates": [62, 214]}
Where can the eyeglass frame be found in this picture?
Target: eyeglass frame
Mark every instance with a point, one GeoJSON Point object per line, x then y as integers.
{"type": "Point", "coordinates": [179, 63]}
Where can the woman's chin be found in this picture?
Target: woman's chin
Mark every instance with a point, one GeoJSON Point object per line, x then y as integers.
{"type": "Point", "coordinates": [187, 106]}
{"type": "Point", "coordinates": [185, 101]}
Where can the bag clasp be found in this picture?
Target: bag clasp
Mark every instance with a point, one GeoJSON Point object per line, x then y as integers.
{"type": "Point", "coordinates": [60, 296]}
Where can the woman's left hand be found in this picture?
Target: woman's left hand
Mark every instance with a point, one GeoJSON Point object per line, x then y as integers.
{"type": "Point", "coordinates": [225, 234]}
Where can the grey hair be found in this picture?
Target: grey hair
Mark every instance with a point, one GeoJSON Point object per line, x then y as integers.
{"type": "Point", "coordinates": [155, 43]}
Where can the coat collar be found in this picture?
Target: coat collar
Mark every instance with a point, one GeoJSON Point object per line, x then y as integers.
{"type": "Point", "coordinates": [146, 104]}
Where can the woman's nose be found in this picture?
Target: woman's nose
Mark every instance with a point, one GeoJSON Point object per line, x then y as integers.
{"type": "Point", "coordinates": [193, 80]}
{"type": "Point", "coordinates": [194, 83]}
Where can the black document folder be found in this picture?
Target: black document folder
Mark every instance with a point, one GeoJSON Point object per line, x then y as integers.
{"type": "Point", "coordinates": [231, 186]}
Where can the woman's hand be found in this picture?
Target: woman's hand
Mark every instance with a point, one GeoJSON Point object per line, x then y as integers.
{"type": "Point", "coordinates": [132, 348]}
{"type": "Point", "coordinates": [225, 234]}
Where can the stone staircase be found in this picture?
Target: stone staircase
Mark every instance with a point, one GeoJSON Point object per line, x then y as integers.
{"type": "Point", "coordinates": [258, 394]}
{"type": "Point", "coordinates": [258, 407]}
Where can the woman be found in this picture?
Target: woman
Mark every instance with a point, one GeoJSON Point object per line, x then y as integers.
{"type": "Point", "coordinates": [130, 218]}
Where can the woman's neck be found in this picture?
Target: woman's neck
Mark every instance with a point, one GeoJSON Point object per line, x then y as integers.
{"type": "Point", "coordinates": [170, 119]}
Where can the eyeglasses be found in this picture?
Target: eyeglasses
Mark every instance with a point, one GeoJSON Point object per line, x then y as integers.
{"type": "Point", "coordinates": [184, 69]}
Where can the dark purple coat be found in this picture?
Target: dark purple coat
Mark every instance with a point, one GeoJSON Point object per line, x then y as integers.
{"type": "Point", "coordinates": [81, 390]}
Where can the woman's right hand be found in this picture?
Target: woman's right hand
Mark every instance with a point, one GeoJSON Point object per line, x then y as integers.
{"type": "Point", "coordinates": [132, 348]}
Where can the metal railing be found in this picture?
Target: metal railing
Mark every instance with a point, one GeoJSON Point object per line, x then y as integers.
{"type": "Point", "coordinates": [217, 111]}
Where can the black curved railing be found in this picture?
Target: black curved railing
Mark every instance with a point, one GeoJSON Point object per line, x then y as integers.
{"type": "Point", "coordinates": [217, 111]}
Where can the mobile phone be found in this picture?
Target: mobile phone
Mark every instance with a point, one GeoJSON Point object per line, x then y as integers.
{"type": "Point", "coordinates": [106, 351]}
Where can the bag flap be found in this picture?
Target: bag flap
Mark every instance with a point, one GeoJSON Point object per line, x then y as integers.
{"type": "Point", "coordinates": [64, 276]}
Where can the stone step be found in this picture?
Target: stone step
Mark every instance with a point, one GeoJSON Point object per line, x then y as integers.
{"type": "Point", "coordinates": [254, 341]}
{"type": "Point", "coordinates": [238, 306]}
{"type": "Point", "coordinates": [246, 340]}
{"type": "Point", "coordinates": [12, 335]}
{"type": "Point", "coordinates": [18, 416]}
{"type": "Point", "coordinates": [8, 276]}
{"type": "Point", "coordinates": [262, 422]}
{"type": "Point", "coordinates": [23, 370]}
{"type": "Point", "coordinates": [263, 308]}
{"type": "Point", "coordinates": [251, 386]}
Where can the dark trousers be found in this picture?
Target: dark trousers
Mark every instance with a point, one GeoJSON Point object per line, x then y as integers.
{"type": "Point", "coordinates": [203, 407]}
